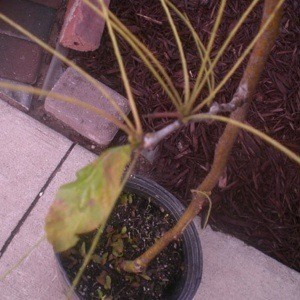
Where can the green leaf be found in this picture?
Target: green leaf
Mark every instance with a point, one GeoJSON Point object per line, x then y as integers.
{"type": "Point", "coordinates": [104, 258]}
{"type": "Point", "coordinates": [107, 284]}
{"type": "Point", "coordinates": [118, 247]}
{"type": "Point", "coordinates": [124, 230]}
{"type": "Point", "coordinates": [85, 204]}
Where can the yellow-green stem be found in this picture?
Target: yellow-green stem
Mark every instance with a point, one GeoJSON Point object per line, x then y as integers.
{"type": "Point", "coordinates": [181, 52]}
{"type": "Point", "coordinates": [261, 32]}
{"type": "Point", "coordinates": [145, 54]}
{"type": "Point", "coordinates": [208, 50]}
{"type": "Point", "coordinates": [222, 50]}
{"type": "Point", "coordinates": [200, 47]}
{"type": "Point", "coordinates": [122, 69]}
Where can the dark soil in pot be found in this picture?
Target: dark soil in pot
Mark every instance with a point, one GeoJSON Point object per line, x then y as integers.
{"type": "Point", "coordinates": [133, 226]}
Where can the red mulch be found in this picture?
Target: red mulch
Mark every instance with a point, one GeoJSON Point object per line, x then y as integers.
{"type": "Point", "coordinates": [258, 198]}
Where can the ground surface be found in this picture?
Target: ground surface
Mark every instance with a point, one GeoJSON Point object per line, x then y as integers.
{"type": "Point", "coordinates": [258, 200]}
{"type": "Point", "coordinates": [35, 161]}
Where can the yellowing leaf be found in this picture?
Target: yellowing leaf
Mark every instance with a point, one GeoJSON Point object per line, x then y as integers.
{"type": "Point", "coordinates": [85, 204]}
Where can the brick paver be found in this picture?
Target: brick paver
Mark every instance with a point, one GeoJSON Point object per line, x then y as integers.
{"type": "Point", "coordinates": [83, 28]}
{"type": "Point", "coordinates": [19, 59]}
{"type": "Point", "coordinates": [36, 18]}
{"type": "Point", "coordinates": [87, 123]}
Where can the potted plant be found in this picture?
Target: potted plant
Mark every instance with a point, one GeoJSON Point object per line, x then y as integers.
{"type": "Point", "coordinates": [144, 211]}
{"type": "Point", "coordinates": [82, 209]}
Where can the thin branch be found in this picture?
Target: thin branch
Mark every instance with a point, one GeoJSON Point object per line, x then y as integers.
{"type": "Point", "coordinates": [201, 51]}
{"type": "Point", "coordinates": [149, 19]}
{"type": "Point", "coordinates": [181, 52]}
{"type": "Point", "coordinates": [278, 146]}
{"type": "Point", "coordinates": [223, 48]}
{"type": "Point", "coordinates": [208, 50]}
{"type": "Point", "coordinates": [152, 139]}
{"type": "Point", "coordinates": [240, 97]}
{"type": "Point", "coordinates": [144, 53]}
{"type": "Point", "coordinates": [166, 114]}
{"type": "Point", "coordinates": [21, 260]}
{"type": "Point", "coordinates": [122, 69]}
{"type": "Point", "coordinates": [260, 34]}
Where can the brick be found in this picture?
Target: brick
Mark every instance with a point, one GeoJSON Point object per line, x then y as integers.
{"type": "Point", "coordinates": [19, 59]}
{"type": "Point", "coordinates": [87, 123]}
{"type": "Point", "coordinates": [37, 19]}
{"type": "Point", "coordinates": [83, 28]}
{"type": "Point", "coordinates": [50, 3]}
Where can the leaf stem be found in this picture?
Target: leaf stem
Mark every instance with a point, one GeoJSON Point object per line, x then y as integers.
{"type": "Point", "coordinates": [261, 32]}
{"type": "Point", "coordinates": [222, 49]}
{"type": "Point", "coordinates": [207, 52]}
{"type": "Point", "coordinates": [145, 54]}
{"type": "Point", "coordinates": [122, 69]}
{"type": "Point", "coordinates": [181, 51]}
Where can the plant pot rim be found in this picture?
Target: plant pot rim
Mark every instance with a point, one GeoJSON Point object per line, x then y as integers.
{"type": "Point", "coordinates": [193, 258]}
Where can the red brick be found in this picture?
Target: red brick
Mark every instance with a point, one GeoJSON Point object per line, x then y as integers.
{"type": "Point", "coordinates": [19, 59]}
{"type": "Point", "coordinates": [83, 28]}
{"type": "Point", "coordinates": [50, 3]}
{"type": "Point", "coordinates": [35, 18]}
{"type": "Point", "coordinates": [87, 123]}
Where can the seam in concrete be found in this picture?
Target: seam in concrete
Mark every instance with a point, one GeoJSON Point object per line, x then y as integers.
{"type": "Point", "coordinates": [35, 201]}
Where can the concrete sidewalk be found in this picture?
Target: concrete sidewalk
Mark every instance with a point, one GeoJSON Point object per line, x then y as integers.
{"type": "Point", "coordinates": [35, 161]}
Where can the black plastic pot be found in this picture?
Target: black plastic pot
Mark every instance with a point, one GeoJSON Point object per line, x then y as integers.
{"type": "Point", "coordinates": [191, 277]}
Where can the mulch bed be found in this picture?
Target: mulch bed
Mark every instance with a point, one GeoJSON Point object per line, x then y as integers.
{"type": "Point", "coordinates": [258, 198]}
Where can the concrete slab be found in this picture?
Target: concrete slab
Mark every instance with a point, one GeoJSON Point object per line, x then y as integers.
{"type": "Point", "coordinates": [233, 270]}
{"type": "Point", "coordinates": [29, 154]}
{"type": "Point", "coordinates": [37, 277]}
